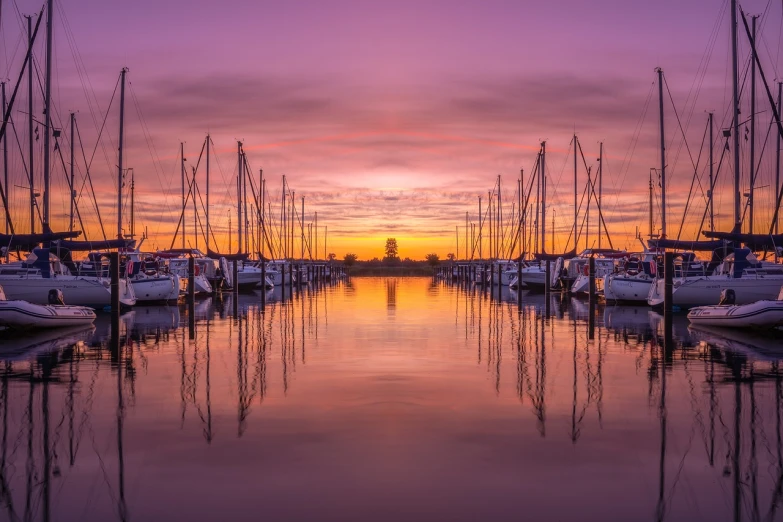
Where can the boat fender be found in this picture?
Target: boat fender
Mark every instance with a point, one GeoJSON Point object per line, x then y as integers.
{"type": "Point", "coordinates": [586, 269]}
{"type": "Point", "coordinates": [727, 297]}
{"type": "Point", "coordinates": [56, 297]}
{"type": "Point", "coordinates": [198, 269]}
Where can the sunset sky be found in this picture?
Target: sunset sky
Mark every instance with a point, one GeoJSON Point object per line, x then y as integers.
{"type": "Point", "coordinates": [391, 118]}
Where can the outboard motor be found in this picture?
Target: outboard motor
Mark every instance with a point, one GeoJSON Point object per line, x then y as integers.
{"type": "Point", "coordinates": [727, 297]}
{"type": "Point", "coordinates": [56, 297]}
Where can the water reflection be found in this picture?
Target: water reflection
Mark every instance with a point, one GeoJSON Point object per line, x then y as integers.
{"type": "Point", "coordinates": [716, 373]}
{"type": "Point", "coordinates": [328, 397]}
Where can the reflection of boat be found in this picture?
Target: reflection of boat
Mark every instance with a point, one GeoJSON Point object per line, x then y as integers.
{"type": "Point", "coordinates": [758, 345]}
{"type": "Point", "coordinates": [761, 314]}
{"type": "Point", "coordinates": [21, 314]}
{"type": "Point", "coordinates": [156, 317]}
{"type": "Point", "coordinates": [15, 347]}
{"type": "Point", "coordinates": [627, 318]}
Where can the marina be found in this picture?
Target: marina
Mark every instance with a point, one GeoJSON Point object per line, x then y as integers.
{"type": "Point", "coordinates": [192, 413]}
{"type": "Point", "coordinates": [391, 261]}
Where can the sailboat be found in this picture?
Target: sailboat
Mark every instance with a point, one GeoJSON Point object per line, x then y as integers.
{"type": "Point", "coordinates": [42, 271]}
{"type": "Point", "coordinates": [750, 279]}
{"type": "Point", "coordinates": [248, 276]}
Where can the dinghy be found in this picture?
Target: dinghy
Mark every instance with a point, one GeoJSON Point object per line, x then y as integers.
{"type": "Point", "coordinates": [761, 314]}
{"type": "Point", "coordinates": [22, 314]}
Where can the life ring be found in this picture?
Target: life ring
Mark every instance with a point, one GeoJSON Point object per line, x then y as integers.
{"type": "Point", "coordinates": [632, 272]}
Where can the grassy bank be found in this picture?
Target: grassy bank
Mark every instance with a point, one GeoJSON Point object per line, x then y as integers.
{"type": "Point", "coordinates": [390, 271]}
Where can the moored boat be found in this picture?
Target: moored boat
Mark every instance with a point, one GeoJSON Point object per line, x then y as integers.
{"type": "Point", "coordinates": [23, 314]}
{"type": "Point", "coordinates": [760, 314]}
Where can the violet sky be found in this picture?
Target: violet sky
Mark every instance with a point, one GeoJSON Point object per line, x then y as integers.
{"type": "Point", "coordinates": [391, 118]}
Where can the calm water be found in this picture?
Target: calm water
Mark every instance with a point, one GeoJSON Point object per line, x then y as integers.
{"type": "Point", "coordinates": [389, 399]}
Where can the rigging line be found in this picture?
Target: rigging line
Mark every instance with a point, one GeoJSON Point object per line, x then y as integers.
{"type": "Point", "coordinates": [187, 197]}
{"type": "Point", "coordinates": [88, 178]}
{"type": "Point", "coordinates": [748, 201]}
{"type": "Point", "coordinates": [712, 187]}
{"type": "Point", "coordinates": [679, 123]}
{"type": "Point", "coordinates": [93, 104]}
{"type": "Point", "coordinates": [591, 185]}
{"type": "Point", "coordinates": [103, 125]}
{"type": "Point", "coordinates": [198, 192]}
{"type": "Point", "coordinates": [693, 182]}
{"type": "Point", "coordinates": [182, 215]}
{"type": "Point", "coordinates": [68, 182]}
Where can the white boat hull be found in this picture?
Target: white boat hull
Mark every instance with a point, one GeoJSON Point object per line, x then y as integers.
{"type": "Point", "coordinates": [21, 314]}
{"type": "Point", "coordinates": [761, 314]}
{"type": "Point", "coordinates": [156, 288]}
{"type": "Point", "coordinates": [626, 289]}
{"type": "Point", "coordinates": [705, 291]}
{"type": "Point", "coordinates": [533, 277]}
{"type": "Point", "coordinates": [77, 290]}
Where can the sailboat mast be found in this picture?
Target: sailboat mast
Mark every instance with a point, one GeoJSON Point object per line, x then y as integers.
{"type": "Point", "coordinates": [600, 186]}
{"type": "Point", "coordinates": [522, 212]}
{"type": "Point", "coordinates": [301, 227]}
{"type": "Point", "coordinates": [663, 153]}
{"type": "Point", "coordinates": [182, 179]}
{"type": "Point", "coordinates": [466, 238]}
{"type": "Point", "coordinates": [651, 204]}
{"type": "Point", "coordinates": [316, 237]}
{"type": "Point", "coordinates": [777, 158]}
{"type": "Point", "coordinates": [491, 235]}
{"type": "Point", "coordinates": [30, 119]}
{"type": "Point", "coordinates": [538, 202]}
{"type": "Point", "coordinates": [283, 242]}
{"type": "Point", "coordinates": [239, 196]}
{"type": "Point", "coordinates": [132, 205]}
{"type": "Point", "coordinates": [246, 215]}
{"type": "Point", "coordinates": [587, 215]}
{"type": "Point", "coordinates": [543, 197]}
{"type": "Point", "coordinates": [292, 223]}
{"type": "Point", "coordinates": [499, 241]}
{"type": "Point", "coordinates": [195, 210]}
{"type": "Point", "coordinates": [712, 176]}
{"type": "Point", "coordinates": [207, 195]}
{"type": "Point", "coordinates": [576, 205]}
{"type": "Point", "coordinates": [736, 111]}
{"type": "Point", "coordinates": [73, 187]}
{"type": "Point", "coordinates": [263, 217]}
{"type": "Point", "coordinates": [481, 252]}
{"type": "Point", "coordinates": [47, 115]}
{"type": "Point", "coordinates": [752, 172]}
{"type": "Point", "coordinates": [121, 147]}
{"type": "Point", "coordinates": [5, 166]}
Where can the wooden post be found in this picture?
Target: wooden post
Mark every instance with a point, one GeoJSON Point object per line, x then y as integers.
{"type": "Point", "coordinates": [114, 274]}
{"type": "Point", "coordinates": [592, 298]}
{"type": "Point", "coordinates": [191, 298]}
{"type": "Point", "coordinates": [263, 284]}
{"type": "Point", "coordinates": [547, 276]}
{"type": "Point", "coordinates": [668, 287]}
{"type": "Point", "coordinates": [192, 278]}
{"type": "Point", "coordinates": [500, 282]}
{"type": "Point", "coordinates": [519, 286]}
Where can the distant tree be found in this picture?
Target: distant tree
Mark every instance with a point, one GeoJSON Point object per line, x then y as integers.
{"type": "Point", "coordinates": [392, 253]}
{"type": "Point", "coordinates": [331, 256]}
{"type": "Point", "coordinates": [452, 257]}
{"type": "Point", "coordinates": [433, 260]}
{"type": "Point", "coordinates": [349, 259]}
